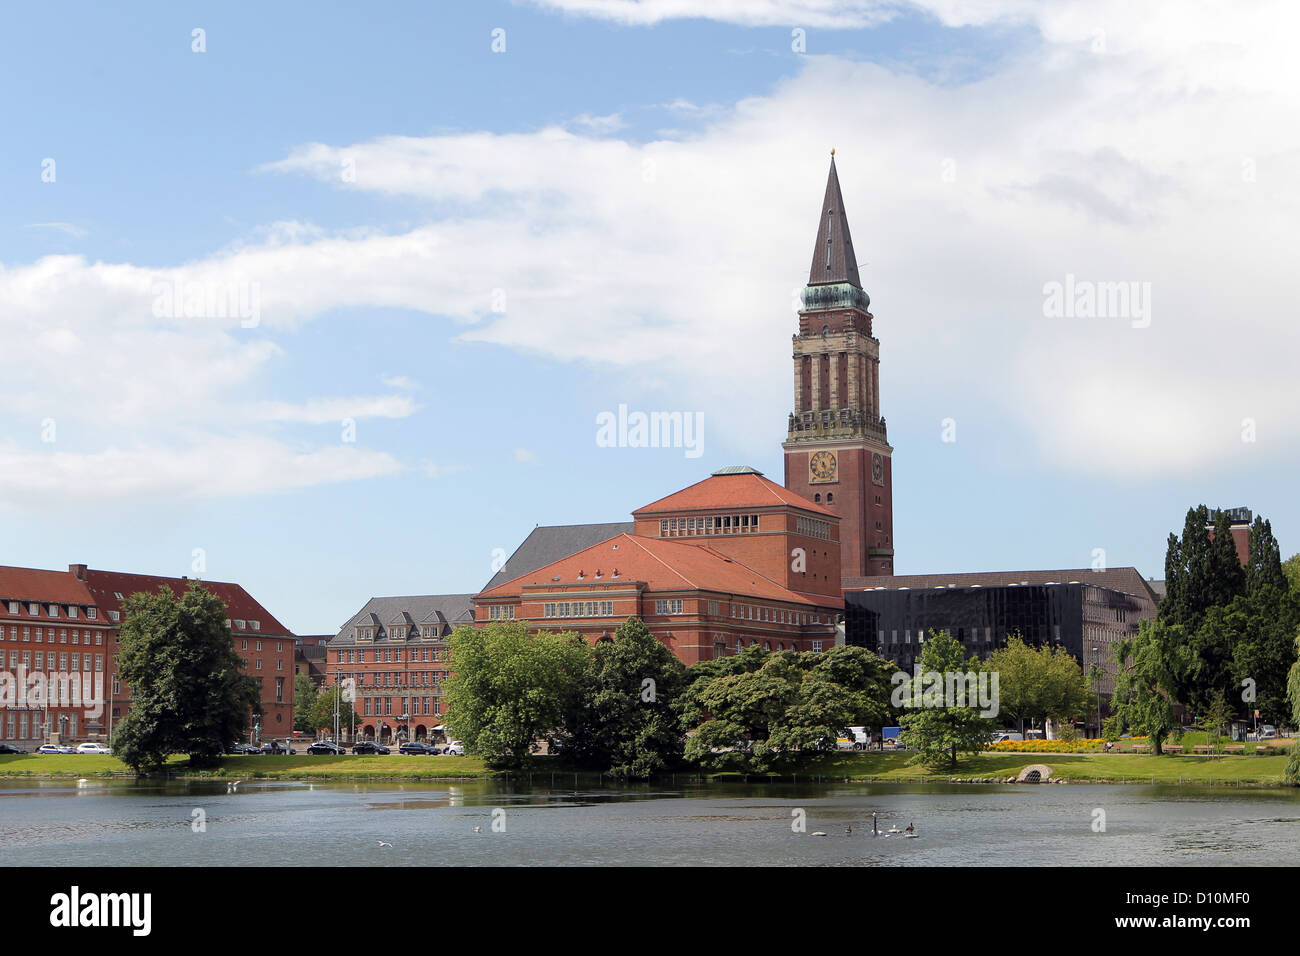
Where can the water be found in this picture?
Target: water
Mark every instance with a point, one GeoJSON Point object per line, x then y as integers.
{"type": "Point", "coordinates": [118, 823]}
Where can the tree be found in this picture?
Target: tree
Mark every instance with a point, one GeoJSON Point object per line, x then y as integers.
{"type": "Point", "coordinates": [941, 728]}
{"type": "Point", "coordinates": [1038, 683]}
{"type": "Point", "coordinates": [322, 710]}
{"type": "Point", "coordinates": [1150, 666]}
{"type": "Point", "coordinates": [1217, 716]}
{"type": "Point", "coordinates": [756, 710]}
{"type": "Point", "coordinates": [1264, 571]}
{"type": "Point", "coordinates": [511, 687]}
{"type": "Point", "coordinates": [189, 692]}
{"type": "Point", "coordinates": [1293, 696]}
{"type": "Point", "coordinates": [623, 721]}
{"type": "Point", "coordinates": [304, 700]}
{"type": "Point", "coordinates": [1291, 570]}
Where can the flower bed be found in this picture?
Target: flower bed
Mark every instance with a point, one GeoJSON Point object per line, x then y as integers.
{"type": "Point", "coordinates": [1047, 746]}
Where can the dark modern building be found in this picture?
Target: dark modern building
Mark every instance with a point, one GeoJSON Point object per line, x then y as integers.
{"type": "Point", "coordinates": [1083, 611]}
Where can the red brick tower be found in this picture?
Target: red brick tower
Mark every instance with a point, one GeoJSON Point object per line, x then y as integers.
{"type": "Point", "coordinates": [837, 452]}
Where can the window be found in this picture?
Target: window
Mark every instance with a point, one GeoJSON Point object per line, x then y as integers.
{"type": "Point", "coordinates": [259, 664]}
{"type": "Point", "coordinates": [242, 625]}
{"type": "Point", "coordinates": [669, 606]}
{"type": "Point", "coordinates": [255, 625]}
{"type": "Point", "coordinates": [34, 609]}
{"type": "Point", "coordinates": [72, 613]}
{"type": "Point", "coordinates": [279, 690]}
{"type": "Point", "coordinates": [259, 645]}
{"type": "Point", "coordinates": [54, 610]}
{"type": "Point", "coordinates": [501, 612]}
{"type": "Point", "coordinates": [114, 616]}
{"type": "Point", "coordinates": [13, 609]}
{"type": "Point", "coordinates": [817, 647]}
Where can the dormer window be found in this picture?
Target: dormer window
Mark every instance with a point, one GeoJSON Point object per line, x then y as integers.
{"type": "Point", "coordinates": [92, 614]}
{"type": "Point", "coordinates": [72, 612]}
{"type": "Point", "coordinates": [242, 625]}
{"type": "Point", "coordinates": [13, 607]}
{"type": "Point", "coordinates": [114, 616]}
{"type": "Point", "coordinates": [255, 625]}
{"type": "Point", "coordinates": [54, 610]}
{"type": "Point", "coordinates": [118, 595]}
{"type": "Point", "coordinates": [34, 609]}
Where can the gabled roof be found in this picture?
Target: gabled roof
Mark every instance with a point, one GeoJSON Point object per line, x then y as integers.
{"type": "Point", "coordinates": [729, 489]}
{"type": "Point", "coordinates": [448, 609]}
{"type": "Point", "coordinates": [545, 544]}
{"type": "Point", "coordinates": [833, 259]}
{"type": "Point", "coordinates": [663, 565]}
{"type": "Point", "coordinates": [37, 584]}
{"type": "Point", "coordinates": [1127, 580]}
{"type": "Point", "coordinates": [240, 605]}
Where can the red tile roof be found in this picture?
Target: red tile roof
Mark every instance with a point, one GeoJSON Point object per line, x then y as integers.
{"type": "Point", "coordinates": [663, 565]}
{"type": "Point", "coordinates": [723, 492]}
{"type": "Point", "coordinates": [37, 584]}
{"type": "Point", "coordinates": [105, 585]}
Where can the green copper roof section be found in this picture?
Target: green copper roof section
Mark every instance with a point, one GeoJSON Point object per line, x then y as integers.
{"type": "Point", "coordinates": [737, 470]}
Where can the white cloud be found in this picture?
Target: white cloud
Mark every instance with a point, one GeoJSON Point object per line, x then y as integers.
{"type": "Point", "coordinates": [330, 411]}
{"type": "Point", "coordinates": [1152, 144]}
{"type": "Point", "coordinates": [525, 456]}
{"type": "Point", "coordinates": [213, 467]}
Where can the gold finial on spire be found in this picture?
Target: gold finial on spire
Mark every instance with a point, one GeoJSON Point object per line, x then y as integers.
{"type": "Point", "coordinates": [832, 150]}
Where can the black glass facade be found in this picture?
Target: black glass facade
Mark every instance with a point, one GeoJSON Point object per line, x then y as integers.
{"type": "Point", "coordinates": [894, 623]}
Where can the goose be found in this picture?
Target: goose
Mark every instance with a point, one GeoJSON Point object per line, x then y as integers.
{"type": "Point", "coordinates": [910, 831]}
{"type": "Point", "coordinates": [848, 830]}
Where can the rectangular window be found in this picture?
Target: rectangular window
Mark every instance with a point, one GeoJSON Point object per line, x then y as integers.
{"type": "Point", "coordinates": [668, 606]}
{"type": "Point", "coordinates": [72, 613]}
{"type": "Point", "coordinates": [279, 690]}
{"type": "Point", "coordinates": [92, 613]}
{"type": "Point", "coordinates": [54, 610]}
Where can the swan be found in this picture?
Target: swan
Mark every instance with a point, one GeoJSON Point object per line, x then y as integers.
{"type": "Point", "coordinates": [818, 833]}
{"type": "Point", "coordinates": [382, 843]}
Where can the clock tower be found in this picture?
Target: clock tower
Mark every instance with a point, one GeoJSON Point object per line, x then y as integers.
{"type": "Point", "coordinates": [836, 450]}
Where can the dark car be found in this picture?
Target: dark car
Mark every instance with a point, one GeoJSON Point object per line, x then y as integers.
{"type": "Point", "coordinates": [275, 747]}
{"type": "Point", "coordinates": [418, 747]}
{"type": "Point", "coordinates": [369, 747]}
{"type": "Point", "coordinates": [7, 749]}
{"type": "Point", "coordinates": [325, 747]}
{"type": "Point", "coordinates": [242, 750]}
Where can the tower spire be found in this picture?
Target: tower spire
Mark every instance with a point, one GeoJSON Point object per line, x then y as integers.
{"type": "Point", "coordinates": [833, 258]}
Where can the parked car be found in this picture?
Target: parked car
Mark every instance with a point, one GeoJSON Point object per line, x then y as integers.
{"type": "Point", "coordinates": [53, 749]}
{"type": "Point", "coordinates": [455, 748]}
{"type": "Point", "coordinates": [858, 740]}
{"type": "Point", "coordinates": [325, 747]}
{"type": "Point", "coordinates": [369, 747]}
{"type": "Point", "coordinates": [418, 747]}
{"type": "Point", "coordinates": [244, 750]}
{"type": "Point", "coordinates": [9, 749]}
{"type": "Point", "coordinates": [275, 747]}
{"type": "Point", "coordinates": [1267, 730]}
{"type": "Point", "coordinates": [1002, 735]}
{"type": "Point", "coordinates": [93, 748]}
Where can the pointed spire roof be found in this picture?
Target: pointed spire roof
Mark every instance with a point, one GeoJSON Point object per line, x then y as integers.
{"type": "Point", "coordinates": [833, 258]}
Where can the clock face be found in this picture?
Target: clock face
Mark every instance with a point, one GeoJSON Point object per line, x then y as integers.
{"type": "Point", "coordinates": [878, 468]}
{"type": "Point", "coordinates": [823, 467]}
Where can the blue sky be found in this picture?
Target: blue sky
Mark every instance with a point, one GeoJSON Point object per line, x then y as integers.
{"type": "Point", "coordinates": [471, 254]}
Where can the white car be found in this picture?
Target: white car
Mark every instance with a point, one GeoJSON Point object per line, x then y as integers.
{"type": "Point", "coordinates": [53, 749]}
{"type": "Point", "coordinates": [93, 748]}
{"type": "Point", "coordinates": [455, 748]}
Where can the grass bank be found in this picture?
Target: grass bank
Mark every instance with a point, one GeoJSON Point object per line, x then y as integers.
{"type": "Point", "coordinates": [887, 768]}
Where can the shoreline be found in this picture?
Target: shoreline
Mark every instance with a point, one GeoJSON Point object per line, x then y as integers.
{"type": "Point", "coordinates": [1238, 772]}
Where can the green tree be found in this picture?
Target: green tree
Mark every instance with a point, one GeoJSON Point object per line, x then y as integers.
{"type": "Point", "coordinates": [189, 692]}
{"type": "Point", "coordinates": [304, 699]}
{"type": "Point", "coordinates": [511, 687]}
{"type": "Point", "coordinates": [1293, 696]}
{"type": "Point", "coordinates": [1038, 683]}
{"type": "Point", "coordinates": [1200, 573]}
{"type": "Point", "coordinates": [756, 711]}
{"type": "Point", "coordinates": [1291, 570]}
{"type": "Point", "coordinates": [322, 711]}
{"type": "Point", "coordinates": [1264, 570]}
{"type": "Point", "coordinates": [623, 721]}
{"type": "Point", "coordinates": [939, 728]}
{"type": "Point", "coordinates": [1150, 666]}
{"type": "Point", "coordinates": [1217, 717]}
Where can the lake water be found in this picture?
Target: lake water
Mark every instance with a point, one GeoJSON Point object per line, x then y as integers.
{"type": "Point", "coordinates": [277, 824]}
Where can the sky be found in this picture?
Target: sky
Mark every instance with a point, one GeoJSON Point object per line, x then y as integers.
{"type": "Point", "coordinates": [328, 300]}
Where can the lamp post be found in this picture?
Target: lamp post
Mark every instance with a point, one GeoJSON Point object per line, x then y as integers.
{"type": "Point", "coordinates": [1097, 662]}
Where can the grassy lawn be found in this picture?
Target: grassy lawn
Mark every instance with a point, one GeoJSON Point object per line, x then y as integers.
{"type": "Point", "coordinates": [889, 767]}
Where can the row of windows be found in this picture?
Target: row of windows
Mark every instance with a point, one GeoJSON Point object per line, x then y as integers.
{"type": "Point", "coordinates": [242, 625]}
{"type": "Point", "coordinates": [668, 606]}
{"type": "Point", "coordinates": [501, 612]}
{"type": "Point", "coordinates": [389, 655]}
{"type": "Point", "coordinates": [397, 633]}
{"type": "Point", "coordinates": [708, 524]}
{"type": "Point", "coordinates": [70, 611]}
{"type": "Point", "coordinates": [40, 633]}
{"type": "Point", "coordinates": [720, 647]}
{"type": "Point", "coordinates": [18, 729]}
{"type": "Point", "coordinates": [411, 706]}
{"type": "Point", "coordinates": [580, 609]}
{"type": "Point", "coordinates": [775, 615]}
{"type": "Point", "coordinates": [399, 678]}
{"type": "Point", "coordinates": [79, 661]}
{"type": "Point", "coordinates": [814, 528]}
{"type": "Point", "coordinates": [279, 646]}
